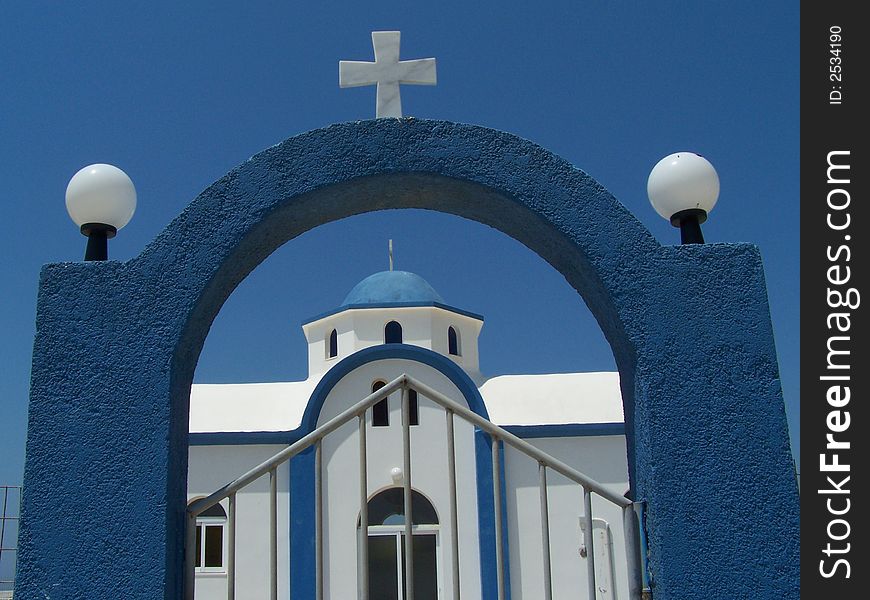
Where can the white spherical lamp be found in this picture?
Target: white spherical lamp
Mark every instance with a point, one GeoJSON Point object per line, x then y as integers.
{"type": "Point", "coordinates": [683, 187]}
{"type": "Point", "coordinates": [100, 199]}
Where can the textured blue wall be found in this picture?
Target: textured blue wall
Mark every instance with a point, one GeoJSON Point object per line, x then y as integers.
{"type": "Point", "coordinates": [117, 344]}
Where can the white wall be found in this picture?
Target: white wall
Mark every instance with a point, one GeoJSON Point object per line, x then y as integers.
{"type": "Point", "coordinates": [468, 330]}
{"type": "Point", "coordinates": [422, 326]}
{"type": "Point", "coordinates": [603, 458]}
{"type": "Point", "coordinates": [210, 468]}
{"type": "Point", "coordinates": [428, 475]}
{"type": "Point", "coordinates": [317, 334]}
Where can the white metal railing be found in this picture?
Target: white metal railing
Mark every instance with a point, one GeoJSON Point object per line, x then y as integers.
{"type": "Point", "coordinates": [405, 383]}
{"type": "Point", "coordinates": [10, 505]}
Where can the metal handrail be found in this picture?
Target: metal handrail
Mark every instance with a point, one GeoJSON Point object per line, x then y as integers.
{"type": "Point", "coordinates": [271, 466]}
{"type": "Point", "coordinates": [405, 383]}
{"type": "Point", "coordinates": [518, 443]}
{"type": "Point", "coordinates": [4, 517]}
{"type": "Point", "coordinates": [201, 505]}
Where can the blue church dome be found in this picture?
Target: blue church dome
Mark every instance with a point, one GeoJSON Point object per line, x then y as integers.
{"type": "Point", "coordinates": [390, 287]}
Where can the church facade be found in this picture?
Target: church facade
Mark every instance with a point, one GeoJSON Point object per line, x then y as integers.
{"type": "Point", "coordinates": [391, 324]}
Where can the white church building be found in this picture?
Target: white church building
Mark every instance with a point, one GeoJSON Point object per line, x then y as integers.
{"type": "Point", "coordinates": [394, 324]}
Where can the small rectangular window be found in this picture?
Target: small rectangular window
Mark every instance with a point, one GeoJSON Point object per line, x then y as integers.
{"type": "Point", "coordinates": [413, 408]}
{"type": "Point", "coordinates": [381, 414]}
{"type": "Point", "coordinates": [214, 545]}
{"type": "Point", "coordinates": [199, 545]}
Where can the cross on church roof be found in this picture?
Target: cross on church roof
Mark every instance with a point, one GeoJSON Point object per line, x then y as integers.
{"type": "Point", "coordinates": [387, 72]}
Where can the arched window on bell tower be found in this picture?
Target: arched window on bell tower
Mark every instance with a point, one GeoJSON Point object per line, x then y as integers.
{"type": "Point", "coordinates": [332, 345]}
{"type": "Point", "coordinates": [453, 342]}
{"type": "Point", "coordinates": [392, 333]}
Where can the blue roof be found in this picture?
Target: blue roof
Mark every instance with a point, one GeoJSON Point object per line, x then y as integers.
{"type": "Point", "coordinates": [388, 287]}
{"type": "Point", "coordinates": [393, 289]}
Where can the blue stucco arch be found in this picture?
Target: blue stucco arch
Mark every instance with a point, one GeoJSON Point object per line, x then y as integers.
{"type": "Point", "coordinates": [117, 345]}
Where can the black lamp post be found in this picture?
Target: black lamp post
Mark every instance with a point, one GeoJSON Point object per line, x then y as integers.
{"type": "Point", "coordinates": [683, 188]}
{"type": "Point", "coordinates": [100, 199]}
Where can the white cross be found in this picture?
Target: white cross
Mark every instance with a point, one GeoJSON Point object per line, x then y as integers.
{"type": "Point", "coordinates": [387, 72]}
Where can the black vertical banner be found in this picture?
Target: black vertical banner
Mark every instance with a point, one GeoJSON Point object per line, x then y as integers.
{"type": "Point", "coordinates": [835, 367]}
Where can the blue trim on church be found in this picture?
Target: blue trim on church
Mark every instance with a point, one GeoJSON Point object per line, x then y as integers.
{"type": "Point", "coordinates": [450, 369]}
{"type": "Point", "coordinates": [302, 544]}
{"type": "Point", "coordinates": [566, 430]}
{"type": "Point", "coordinates": [242, 438]}
{"type": "Point", "coordinates": [486, 518]}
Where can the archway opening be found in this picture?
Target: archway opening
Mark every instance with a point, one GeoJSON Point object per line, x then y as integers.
{"type": "Point", "coordinates": [522, 298]}
{"type": "Point", "coordinates": [533, 197]}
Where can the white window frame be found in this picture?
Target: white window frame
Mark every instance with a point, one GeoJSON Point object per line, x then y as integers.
{"type": "Point", "coordinates": [398, 531]}
{"type": "Point", "coordinates": [202, 523]}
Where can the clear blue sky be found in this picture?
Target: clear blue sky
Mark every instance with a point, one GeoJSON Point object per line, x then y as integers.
{"type": "Point", "coordinates": [178, 93]}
